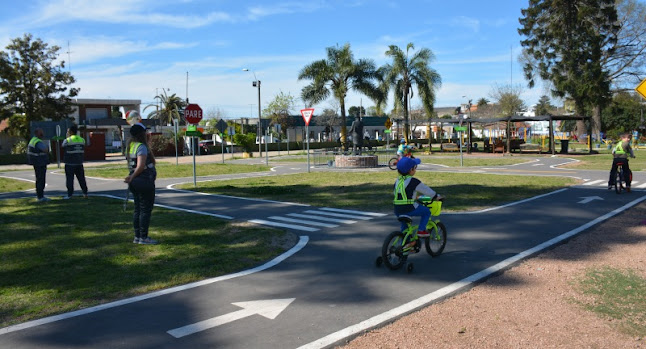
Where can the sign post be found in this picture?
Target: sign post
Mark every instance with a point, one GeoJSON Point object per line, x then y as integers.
{"type": "Point", "coordinates": [193, 115]}
{"type": "Point", "coordinates": [460, 129]}
{"type": "Point", "coordinates": [58, 144]}
{"type": "Point", "coordinates": [307, 116]}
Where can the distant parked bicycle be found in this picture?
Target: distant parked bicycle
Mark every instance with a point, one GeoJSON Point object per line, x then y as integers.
{"type": "Point", "coordinates": [396, 246]}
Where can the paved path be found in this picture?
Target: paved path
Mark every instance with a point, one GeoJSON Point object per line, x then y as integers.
{"type": "Point", "coordinates": [327, 287]}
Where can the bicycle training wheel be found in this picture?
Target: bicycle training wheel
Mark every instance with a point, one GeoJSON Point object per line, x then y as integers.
{"type": "Point", "coordinates": [436, 241]}
{"type": "Point", "coordinates": [619, 185]}
{"type": "Point", "coordinates": [391, 251]}
{"type": "Point", "coordinates": [392, 163]}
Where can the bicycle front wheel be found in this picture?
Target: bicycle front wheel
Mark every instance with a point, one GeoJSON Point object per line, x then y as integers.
{"type": "Point", "coordinates": [391, 251]}
{"type": "Point", "coordinates": [436, 241]}
{"type": "Point", "coordinates": [392, 163]}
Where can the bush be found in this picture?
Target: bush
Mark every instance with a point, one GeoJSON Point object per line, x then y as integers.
{"type": "Point", "coordinates": [247, 141]}
{"type": "Point", "coordinates": [19, 148]}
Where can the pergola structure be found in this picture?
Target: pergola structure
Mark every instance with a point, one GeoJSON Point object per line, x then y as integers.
{"type": "Point", "coordinates": [515, 118]}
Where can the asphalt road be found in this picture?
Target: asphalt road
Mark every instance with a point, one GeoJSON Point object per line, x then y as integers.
{"type": "Point", "coordinates": [327, 288]}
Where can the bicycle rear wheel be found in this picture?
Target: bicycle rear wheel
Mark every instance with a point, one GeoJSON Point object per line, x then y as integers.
{"type": "Point", "coordinates": [391, 251]}
{"type": "Point", "coordinates": [436, 241]}
{"type": "Point", "coordinates": [392, 163]}
{"type": "Point", "coordinates": [619, 185]}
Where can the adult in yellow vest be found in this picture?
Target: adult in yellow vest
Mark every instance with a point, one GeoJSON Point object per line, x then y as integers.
{"type": "Point", "coordinates": [38, 157]}
{"type": "Point", "coordinates": [74, 147]}
{"type": "Point", "coordinates": [620, 154]}
{"type": "Point", "coordinates": [141, 182]}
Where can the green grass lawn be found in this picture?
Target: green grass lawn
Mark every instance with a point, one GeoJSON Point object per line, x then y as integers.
{"type": "Point", "coordinates": [618, 295]}
{"type": "Point", "coordinates": [166, 170]}
{"type": "Point", "coordinates": [9, 185]}
{"type": "Point", "coordinates": [373, 191]}
{"type": "Point", "coordinates": [65, 255]}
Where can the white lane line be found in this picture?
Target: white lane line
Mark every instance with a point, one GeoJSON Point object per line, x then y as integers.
{"type": "Point", "coordinates": [642, 185]}
{"type": "Point", "coordinates": [301, 221]}
{"type": "Point", "coordinates": [325, 219]}
{"type": "Point", "coordinates": [301, 243]}
{"type": "Point", "coordinates": [170, 187]}
{"type": "Point", "coordinates": [465, 283]}
{"type": "Point", "coordinates": [507, 205]}
{"type": "Point", "coordinates": [19, 179]}
{"type": "Point", "coordinates": [353, 212]}
{"type": "Point", "coordinates": [282, 225]}
{"type": "Point", "coordinates": [337, 215]}
{"type": "Point", "coordinates": [598, 181]}
{"type": "Point", "coordinates": [172, 207]}
{"type": "Point", "coordinates": [538, 165]}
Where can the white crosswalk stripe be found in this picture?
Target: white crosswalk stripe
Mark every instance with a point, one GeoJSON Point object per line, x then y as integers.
{"type": "Point", "coordinates": [283, 225]}
{"type": "Point", "coordinates": [593, 182]}
{"type": "Point", "coordinates": [324, 217]}
{"type": "Point", "coordinates": [302, 221]}
{"type": "Point", "coordinates": [340, 215]}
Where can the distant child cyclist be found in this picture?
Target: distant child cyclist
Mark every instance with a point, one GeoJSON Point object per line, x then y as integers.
{"type": "Point", "coordinates": [407, 190]}
{"type": "Point", "coordinates": [403, 149]}
{"type": "Point", "coordinates": [620, 155]}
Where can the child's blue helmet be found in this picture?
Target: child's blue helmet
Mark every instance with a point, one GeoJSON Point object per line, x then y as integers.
{"type": "Point", "coordinates": [405, 164]}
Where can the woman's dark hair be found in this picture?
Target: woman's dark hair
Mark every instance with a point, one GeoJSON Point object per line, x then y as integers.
{"type": "Point", "coordinates": [141, 137]}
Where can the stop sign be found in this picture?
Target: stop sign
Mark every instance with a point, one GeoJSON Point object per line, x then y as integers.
{"type": "Point", "coordinates": [193, 113]}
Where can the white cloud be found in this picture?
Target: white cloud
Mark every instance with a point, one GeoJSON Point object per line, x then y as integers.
{"type": "Point", "coordinates": [463, 21]}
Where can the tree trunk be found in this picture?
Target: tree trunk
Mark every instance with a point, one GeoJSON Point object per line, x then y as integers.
{"type": "Point", "coordinates": [596, 122]}
{"type": "Point", "coordinates": [344, 131]}
{"type": "Point", "coordinates": [406, 122]}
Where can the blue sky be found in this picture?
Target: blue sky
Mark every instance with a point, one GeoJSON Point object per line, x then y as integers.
{"type": "Point", "coordinates": [130, 49]}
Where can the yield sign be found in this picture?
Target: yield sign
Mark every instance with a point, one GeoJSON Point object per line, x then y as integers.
{"type": "Point", "coordinates": [641, 88]}
{"type": "Point", "coordinates": [307, 115]}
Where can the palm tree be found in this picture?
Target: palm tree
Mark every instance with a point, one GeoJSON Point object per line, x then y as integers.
{"type": "Point", "coordinates": [403, 73]}
{"type": "Point", "coordinates": [170, 107]}
{"type": "Point", "coordinates": [337, 75]}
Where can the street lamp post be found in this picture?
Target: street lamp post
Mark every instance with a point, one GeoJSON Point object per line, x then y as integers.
{"type": "Point", "coordinates": [256, 83]}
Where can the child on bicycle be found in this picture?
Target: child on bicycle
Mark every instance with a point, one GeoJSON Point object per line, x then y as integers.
{"type": "Point", "coordinates": [407, 190]}
{"type": "Point", "coordinates": [403, 149]}
{"type": "Point", "coordinates": [620, 155]}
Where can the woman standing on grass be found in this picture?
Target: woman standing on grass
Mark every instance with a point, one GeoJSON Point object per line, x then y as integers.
{"type": "Point", "coordinates": [141, 182]}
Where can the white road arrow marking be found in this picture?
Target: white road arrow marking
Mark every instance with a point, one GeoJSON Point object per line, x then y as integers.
{"type": "Point", "coordinates": [268, 308]}
{"type": "Point", "coordinates": [587, 199]}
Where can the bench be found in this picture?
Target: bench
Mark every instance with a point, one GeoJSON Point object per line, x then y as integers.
{"type": "Point", "coordinates": [498, 146]}
{"type": "Point", "coordinates": [449, 147]}
{"type": "Point", "coordinates": [531, 147]}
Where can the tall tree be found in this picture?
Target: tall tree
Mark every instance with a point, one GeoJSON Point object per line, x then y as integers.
{"type": "Point", "coordinates": [337, 75]}
{"type": "Point", "coordinates": [508, 99]}
{"type": "Point", "coordinates": [167, 108]}
{"type": "Point", "coordinates": [355, 111]}
{"type": "Point", "coordinates": [280, 109]}
{"type": "Point", "coordinates": [405, 72]}
{"type": "Point", "coordinates": [31, 82]}
{"type": "Point", "coordinates": [566, 41]}
{"type": "Point", "coordinates": [544, 106]}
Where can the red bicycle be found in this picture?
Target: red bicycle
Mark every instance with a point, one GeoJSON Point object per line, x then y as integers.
{"type": "Point", "coordinates": [392, 163]}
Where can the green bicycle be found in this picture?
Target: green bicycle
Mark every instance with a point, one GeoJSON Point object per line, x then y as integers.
{"type": "Point", "coordinates": [396, 247]}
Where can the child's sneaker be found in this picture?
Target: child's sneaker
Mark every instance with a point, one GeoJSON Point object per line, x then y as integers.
{"type": "Point", "coordinates": [423, 234]}
{"type": "Point", "coordinates": [147, 241]}
{"type": "Point", "coordinates": [136, 240]}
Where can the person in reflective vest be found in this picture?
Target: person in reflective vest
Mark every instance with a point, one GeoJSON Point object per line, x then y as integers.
{"type": "Point", "coordinates": [409, 188]}
{"type": "Point", "coordinates": [38, 157]}
{"type": "Point", "coordinates": [620, 154]}
{"type": "Point", "coordinates": [74, 147]}
{"type": "Point", "coordinates": [141, 182]}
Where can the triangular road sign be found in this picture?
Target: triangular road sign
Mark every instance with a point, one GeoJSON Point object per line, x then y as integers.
{"type": "Point", "coordinates": [307, 115]}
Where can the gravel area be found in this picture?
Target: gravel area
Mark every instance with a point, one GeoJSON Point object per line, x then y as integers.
{"type": "Point", "coordinates": [530, 305]}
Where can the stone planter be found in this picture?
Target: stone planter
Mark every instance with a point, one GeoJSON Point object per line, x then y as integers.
{"type": "Point", "coordinates": [360, 161]}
